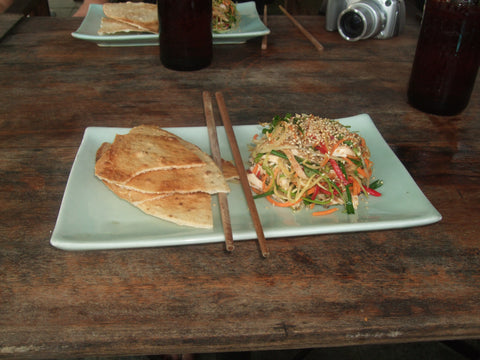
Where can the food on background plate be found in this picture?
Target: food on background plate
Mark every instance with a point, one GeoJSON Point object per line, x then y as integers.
{"type": "Point", "coordinates": [224, 16]}
{"type": "Point", "coordinates": [138, 14]}
{"type": "Point", "coordinates": [304, 160]}
{"type": "Point", "coordinates": [161, 174]}
{"type": "Point", "coordinates": [143, 17]}
{"type": "Point", "coordinates": [110, 26]}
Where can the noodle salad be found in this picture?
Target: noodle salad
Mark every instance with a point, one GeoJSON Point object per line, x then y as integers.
{"type": "Point", "coordinates": [224, 15]}
{"type": "Point", "coordinates": [304, 160]}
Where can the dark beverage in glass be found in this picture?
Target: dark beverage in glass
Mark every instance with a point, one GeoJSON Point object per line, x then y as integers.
{"type": "Point", "coordinates": [447, 57]}
{"type": "Point", "coordinates": [185, 33]}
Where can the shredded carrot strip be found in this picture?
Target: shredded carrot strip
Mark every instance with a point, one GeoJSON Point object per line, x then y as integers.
{"type": "Point", "coordinates": [336, 146]}
{"type": "Point", "coordinates": [279, 204]}
{"type": "Point", "coordinates": [350, 162]}
{"type": "Point", "coordinates": [264, 182]}
{"type": "Point", "coordinates": [324, 212]}
{"type": "Point", "coordinates": [272, 180]}
{"type": "Point", "coordinates": [356, 187]}
{"type": "Point", "coordinates": [326, 158]}
{"type": "Point", "coordinates": [362, 172]}
{"type": "Point", "coordinates": [368, 163]}
{"type": "Point", "coordinates": [256, 191]}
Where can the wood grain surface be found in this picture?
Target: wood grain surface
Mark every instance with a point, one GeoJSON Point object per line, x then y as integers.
{"type": "Point", "coordinates": [412, 284]}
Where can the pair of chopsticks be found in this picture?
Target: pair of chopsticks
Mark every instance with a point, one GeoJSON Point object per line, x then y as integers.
{"type": "Point", "coordinates": [212, 133]}
{"type": "Point", "coordinates": [304, 31]}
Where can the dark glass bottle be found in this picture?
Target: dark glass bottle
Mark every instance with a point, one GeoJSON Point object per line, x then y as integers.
{"type": "Point", "coordinates": [447, 57]}
{"type": "Point", "coordinates": [185, 33]}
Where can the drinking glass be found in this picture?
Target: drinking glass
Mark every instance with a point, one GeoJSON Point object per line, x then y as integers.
{"type": "Point", "coordinates": [447, 57]}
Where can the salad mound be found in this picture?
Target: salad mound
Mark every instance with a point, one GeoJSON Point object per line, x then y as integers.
{"type": "Point", "coordinates": [304, 160]}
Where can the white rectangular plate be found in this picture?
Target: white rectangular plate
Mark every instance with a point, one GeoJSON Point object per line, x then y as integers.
{"type": "Point", "coordinates": [92, 217]}
{"type": "Point", "coordinates": [250, 26]}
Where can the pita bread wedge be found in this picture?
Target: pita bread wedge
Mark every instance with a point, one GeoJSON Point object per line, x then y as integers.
{"type": "Point", "coordinates": [141, 15]}
{"type": "Point", "coordinates": [208, 179]}
{"type": "Point", "coordinates": [110, 26]}
{"type": "Point", "coordinates": [150, 130]}
{"type": "Point", "coordinates": [229, 171]}
{"type": "Point", "coordinates": [102, 150]}
{"type": "Point", "coordinates": [132, 196]}
{"type": "Point", "coordinates": [181, 209]}
{"type": "Point", "coordinates": [132, 154]}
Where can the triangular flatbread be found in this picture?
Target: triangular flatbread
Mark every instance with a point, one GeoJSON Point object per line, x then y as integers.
{"type": "Point", "coordinates": [229, 171]}
{"type": "Point", "coordinates": [208, 179]}
{"type": "Point", "coordinates": [133, 196]}
{"type": "Point", "coordinates": [132, 154]}
{"type": "Point", "coordinates": [182, 209]}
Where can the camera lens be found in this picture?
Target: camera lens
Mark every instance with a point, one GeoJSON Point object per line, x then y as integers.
{"type": "Point", "coordinates": [352, 25]}
{"type": "Point", "coordinates": [360, 20]}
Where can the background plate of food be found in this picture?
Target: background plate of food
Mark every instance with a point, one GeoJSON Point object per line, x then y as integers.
{"type": "Point", "coordinates": [92, 217]}
{"type": "Point", "coordinates": [249, 26]}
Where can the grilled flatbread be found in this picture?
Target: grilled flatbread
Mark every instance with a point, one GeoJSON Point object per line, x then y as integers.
{"type": "Point", "coordinates": [132, 154]}
{"type": "Point", "coordinates": [102, 150]}
{"type": "Point", "coordinates": [140, 15]}
{"type": "Point", "coordinates": [133, 196]}
{"type": "Point", "coordinates": [193, 209]}
{"type": "Point", "coordinates": [229, 170]}
{"type": "Point", "coordinates": [182, 209]}
{"type": "Point", "coordinates": [207, 178]}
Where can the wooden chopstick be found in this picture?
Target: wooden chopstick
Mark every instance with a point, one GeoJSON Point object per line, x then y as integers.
{"type": "Point", "coordinates": [242, 174]}
{"type": "Point", "coordinates": [305, 32]}
{"type": "Point", "coordinates": [217, 157]}
{"type": "Point", "coordinates": [264, 40]}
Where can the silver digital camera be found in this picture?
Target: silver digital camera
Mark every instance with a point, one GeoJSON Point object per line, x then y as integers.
{"type": "Point", "coordinates": [364, 19]}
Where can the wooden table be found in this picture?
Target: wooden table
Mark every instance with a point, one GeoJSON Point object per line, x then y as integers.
{"type": "Point", "coordinates": [412, 284]}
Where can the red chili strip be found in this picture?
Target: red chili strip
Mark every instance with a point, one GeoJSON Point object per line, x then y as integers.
{"type": "Point", "coordinates": [372, 192]}
{"type": "Point", "coordinates": [322, 148]}
{"type": "Point", "coordinates": [338, 171]}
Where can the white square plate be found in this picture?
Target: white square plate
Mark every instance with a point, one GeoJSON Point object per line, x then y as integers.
{"type": "Point", "coordinates": [250, 26]}
{"type": "Point", "coordinates": [92, 217]}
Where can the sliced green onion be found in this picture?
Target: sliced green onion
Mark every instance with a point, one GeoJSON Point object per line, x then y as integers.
{"type": "Point", "coordinates": [356, 162]}
{"type": "Point", "coordinates": [258, 157]}
{"type": "Point", "coordinates": [349, 204]}
{"type": "Point", "coordinates": [258, 196]}
{"type": "Point", "coordinates": [318, 202]}
{"type": "Point", "coordinates": [342, 167]}
{"type": "Point", "coordinates": [279, 154]}
{"type": "Point", "coordinates": [376, 184]}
